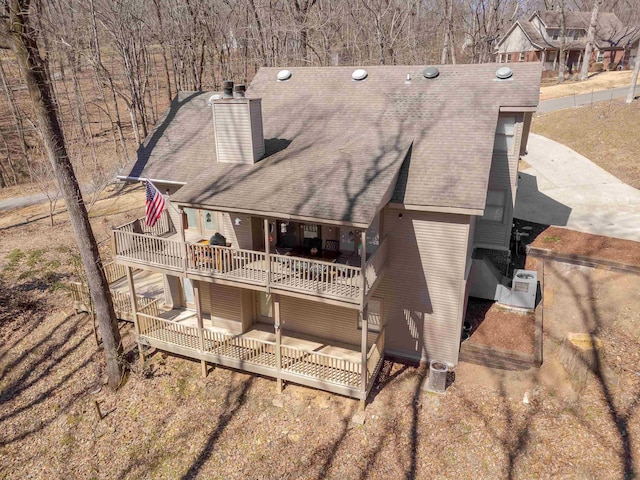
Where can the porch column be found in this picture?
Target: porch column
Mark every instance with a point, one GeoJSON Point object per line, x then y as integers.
{"type": "Point", "coordinates": [364, 321]}
{"type": "Point", "coordinates": [544, 57]}
{"type": "Point", "coordinates": [196, 299]}
{"type": "Point", "coordinates": [276, 321]}
{"type": "Point", "coordinates": [134, 310]}
{"type": "Point", "coordinates": [267, 253]}
{"type": "Point", "coordinates": [184, 242]}
{"type": "Point", "coordinates": [363, 264]}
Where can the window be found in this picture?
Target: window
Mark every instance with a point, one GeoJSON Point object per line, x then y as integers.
{"type": "Point", "coordinates": [374, 315]}
{"type": "Point", "coordinates": [310, 231]}
{"type": "Point", "coordinates": [209, 220]}
{"type": "Point", "coordinates": [522, 55]}
{"type": "Point", "coordinates": [505, 134]}
{"type": "Point", "coordinates": [494, 209]}
{"type": "Point", "coordinates": [600, 57]}
{"type": "Point", "coordinates": [554, 34]}
{"type": "Point", "coordinates": [500, 58]}
{"type": "Point", "coordinates": [508, 58]}
{"type": "Point", "coordinates": [192, 219]}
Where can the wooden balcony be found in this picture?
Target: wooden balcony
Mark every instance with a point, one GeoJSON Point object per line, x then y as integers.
{"type": "Point", "coordinates": [279, 273]}
{"type": "Point", "coordinates": [304, 360]}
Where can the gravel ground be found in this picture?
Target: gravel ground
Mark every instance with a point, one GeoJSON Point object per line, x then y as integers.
{"type": "Point", "coordinates": [167, 422]}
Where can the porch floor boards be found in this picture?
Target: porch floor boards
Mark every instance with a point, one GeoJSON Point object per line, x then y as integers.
{"type": "Point", "coordinates": [148, 284]}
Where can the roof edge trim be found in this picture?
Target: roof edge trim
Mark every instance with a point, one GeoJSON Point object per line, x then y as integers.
{"type": "Point", "coordinates": [438, 209]}
{"type": "Point", "coordinates": [144, 179]}
{"type": "Point", "coordinates": [276, 215]}
{"type": "Point", "coordinates": [518, 109]}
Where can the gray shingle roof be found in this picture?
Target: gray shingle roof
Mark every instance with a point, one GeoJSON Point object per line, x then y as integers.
{"type": "Point", "coordinates": [334, 145]}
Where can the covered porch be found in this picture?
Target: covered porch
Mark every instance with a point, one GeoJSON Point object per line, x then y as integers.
{"type": "Point", "coordinates": [265, 350]}
{"type": "Point", "coordinates": [341, 271]}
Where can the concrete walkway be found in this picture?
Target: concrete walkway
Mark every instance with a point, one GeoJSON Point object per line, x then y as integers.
{"type": "Point", "coordinates": [583, 99]}
{"type": "Point", "coordinates": [563, 188]}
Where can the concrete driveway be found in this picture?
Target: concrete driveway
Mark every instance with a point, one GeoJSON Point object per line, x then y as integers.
{"type": "Point", "coordinates": [563, 188]}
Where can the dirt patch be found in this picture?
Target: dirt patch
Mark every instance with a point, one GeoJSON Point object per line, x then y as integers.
{"type": "Point", "coordinates": [605, 133]}
{"type": "Point", "coordinates": [597, 81]}
{"type": "Point", "coordinates": [496, 326]}
{"type": "Point", "coordinates": [565, 241]}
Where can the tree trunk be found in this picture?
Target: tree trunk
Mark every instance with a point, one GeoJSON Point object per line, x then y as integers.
{"type": "Point", "coordinates": [584, 73]}
{"type": "Point", "coordinates": [634, 80]}
{"type": "Point", "coordinates": [24, 45]}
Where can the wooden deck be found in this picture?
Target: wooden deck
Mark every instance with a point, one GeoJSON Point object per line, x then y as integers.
{"type": "Point", "coordinates": [281, 273]}
{"type": "Point", "coordinates": [311, 361]}
{"type": "Point", "coordinates": [149, 287]}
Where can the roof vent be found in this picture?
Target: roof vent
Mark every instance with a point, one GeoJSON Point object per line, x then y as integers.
{"type": "Point", "coordinates": [504, 72]}
{"type": "Point", "coordinates": [430, 72]}
{"type": "Point", "coordinates": [359, 74]}
{"type": "Point", "coordinates": [284, 75]}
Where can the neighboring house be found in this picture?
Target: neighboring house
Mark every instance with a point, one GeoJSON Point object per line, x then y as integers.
{"type": "Point", "coordinates": [539, 39]}
{"type": "Point", "coordinates": [350, 209]}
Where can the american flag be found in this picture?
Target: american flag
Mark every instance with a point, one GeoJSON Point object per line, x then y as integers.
{"type": "Point", "coordinates": [154, 205]}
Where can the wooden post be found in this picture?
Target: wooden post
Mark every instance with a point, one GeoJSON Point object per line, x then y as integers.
{"type": "Point", "coordinates": [267, 251]}
{"type": "Point", "coordinates": [184, 242]}
{"type": "Point", "coordinates": [278, 327]}
{"type": "Point", "coordinates": [363, 265]}
{"type": "Point", "coordinates": [134, 311]}
{"type": "Point", "coordinates": [364, 321]}
{"type": "Point", "coordinates": [196, 295]}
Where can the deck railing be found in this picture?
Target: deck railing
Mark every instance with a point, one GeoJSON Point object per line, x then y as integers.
{"type": "Point", "coordinates": [121, 301]}
{"type": "Point", "coordinates": [376, 265]}
{"type": "Point", "coordinates": [167, 331]}
{"type": "Point", "coordinates": [210, 345]}
{"type": "Point", "coordinates": [375, 356]}
{"type": "Point", "coordinates": [221, 261]}
{"type": "Point", "coordinates": [260, 352]}
{"type": "Point", "coordinates": [114, 271]}
{"type": "Point", "coordinates": [320, 366]}
{"type": "Point", "coordinates": [163, 226]}
{"type": "Point", "coordinates": [149, 250]}
{"type": "Point", "coordinates": [304, 275]}
{"type": "Point", "coordinates": [326, 278]}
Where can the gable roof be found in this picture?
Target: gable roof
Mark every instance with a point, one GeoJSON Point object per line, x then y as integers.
{"type": "Point", "coordinates": [337, 148]}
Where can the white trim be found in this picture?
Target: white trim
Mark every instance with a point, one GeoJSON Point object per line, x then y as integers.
{"type": "Point", "coordinates": [437, 209]}
{"type": "Point", "coordinates": [153, 180]}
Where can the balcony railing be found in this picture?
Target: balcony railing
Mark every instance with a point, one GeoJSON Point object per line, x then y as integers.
{"type": "Point", "coordinates": [329, 372]}
{"type": "Point", "coordinates": [280, 272]}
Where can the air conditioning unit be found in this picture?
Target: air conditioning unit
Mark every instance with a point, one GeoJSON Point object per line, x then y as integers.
{"type": "Point", "coordinates": [524, 288]}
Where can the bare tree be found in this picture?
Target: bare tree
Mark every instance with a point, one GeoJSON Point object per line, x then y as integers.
{"type": "Point", "coordinates": [584, 72]}
{"type": "Point", "coordinates": [18, 34]}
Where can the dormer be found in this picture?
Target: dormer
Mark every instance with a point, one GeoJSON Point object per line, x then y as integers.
{"type": "Point", "coordinates": [237, 124]}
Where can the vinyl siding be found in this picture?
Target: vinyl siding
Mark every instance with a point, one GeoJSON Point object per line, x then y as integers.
{"type": "Point", "coordinates": [225, 306]}
{"type": "Point", "coordinates": [240, 236]}
{"type": "Point", "coordinates": [233, 132]}
{"type": "Point", "coordinates": [172, 291]}
{"type": "Point", "coordinates": [330, 322]}
{"type": "Point", "coordinates": [503, 176]}
{"type": "Point", "coordinates": [516, 42]}
{"type": "Point", "coordinates": [424, 283]}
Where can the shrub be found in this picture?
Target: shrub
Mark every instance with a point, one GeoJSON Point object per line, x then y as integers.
{"type": "Point", "coordinates": [597, 67]}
